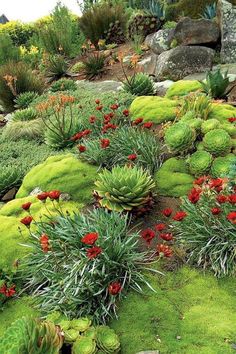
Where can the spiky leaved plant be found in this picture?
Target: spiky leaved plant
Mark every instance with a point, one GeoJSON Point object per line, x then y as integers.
{"type": "Point", "coordinates": [24, 99]}
{"type": "Point", "coordinates": [25, 114]}
{"type": "Point", "coordinates": [216, 84]}
{"type": "Point", "coordinates": [124, 188]}
{"type": "Point", "coordinates": [139, 84]}
{"type": "Point", "coordinates": [94, 65]}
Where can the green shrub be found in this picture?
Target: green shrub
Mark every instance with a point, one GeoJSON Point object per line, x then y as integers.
{"type": "Point", "coordinates": [29, 130]}
{"type": "Point", "coordinates": [63, 85]}
{"type": "Point", "coordinates": [77, 67]}
{"type": "Point", "coordinates": [19, 32]}
{"type": "Point", "coordinates": [217, 142]}
{"type": "Point", "coordinates": [182, 8]}
{"type": "Point", "coordinates": [200, 163]}
{"type": "Point", "coordinates": [109, 256]}
{"type": "Point", "coordinates": [23, 100]}
{"type": "Point", "coordinates": [95, 22]}
{"type": "Point", "coordinates": [24, 114]}
{"type": "Point", "coordinates": [8, 52]}
{"type": "Point", "coordinates": [94, 65]}
{"type": "Point", "coordinates": [179, 137]}
{"type": "Point", "coordinates": [16, 78]}
{"type": "Point", "coordinates": [139, 84]}
{"type": "Point", "coordinates": [55, 66]}
{"type": "Point", "coordinates": [216, 84]}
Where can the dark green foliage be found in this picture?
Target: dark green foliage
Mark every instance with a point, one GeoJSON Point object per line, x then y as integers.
{"type": "Point", "coordinates": [19, 32]}
{"type": "Point", "coordinates": [23, 100]}
{"type": "Point", "coordinates": [94, 65]}
{"type": "Point", "coordinates": [63, 85]}
{"type": "Point", "coordinates": [16, 78]}
{"type": "Point", "coordinates": [56, 66]}
{"type": "Point", "coordinates": [216, 84]}
{"type": "Point", "coordinates": [142, 23]}
{"type": "Point", "coordinates": [95, 23]}
{"type": "Point", "coordinates": [153, 7]}
{"type": "Point", "coordinates": [210, 11]}
{"type": "Point", "coordinates": [139, 84]}
{"type": "Point", "coordinates": [8, 51]}
{"type": "Point", "coordinates": [115, 33]}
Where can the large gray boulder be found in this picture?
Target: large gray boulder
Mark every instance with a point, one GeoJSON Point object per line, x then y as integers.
{"type": "Point", "coordinates": [227, 19]}
{"type": "Point", "coordinates": [159, 41]}
{"type": "Point", "coordinates": [181, 61]}
{"type": "Point", "coordinates": [192, 32]}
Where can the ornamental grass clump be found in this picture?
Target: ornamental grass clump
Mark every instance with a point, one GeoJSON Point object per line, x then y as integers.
{"type": "Point", "coordinates": [208, 230]}
{"type": "Point", "coordinates": [82, 264]}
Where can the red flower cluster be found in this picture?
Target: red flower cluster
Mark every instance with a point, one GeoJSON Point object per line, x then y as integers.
{"type": "Point", "coordinates": [114, 288]}
{"type": "Point", "coordinates": [92, 119]}
{"type": "Point", "coordinates": [179, 216]}
{"type": "Point", "coordinates": [26, 206]}
{"type": "Point", "coordinates": [8, 292]}
{"type": "Point", "coordinates": [164, 250]}
{"type": "Point", "coordinates": [108, 126]}
{"type": "Point", "coordinates": [54, 195]}
{"type": "Point", "coordinates": [132, 157]}
{"type": "Point", "coordinates": [221, 198]}
{"type": "Point", "coordinates": [215, 211]}
{"type": "Point", "coordinates": [147, 125]}
{"type": "Point", "coordinates": [160, 227]}
{"type": "Point", "coordinates": [114, 106]}
{"type": "Point", "coordinates": [216, 184]}
{"type": "Point", "coordinates": [232, 198]}
{"type": "Point", "coordinates": [232, 119]}
{"type": "Point", "coordinates": [137, 121]}
{"type": "Point", "coordinates": [126, 112]}
{"type": "Point", "coordinates": [194, 195]}
{"type": "Point", "coordinates": [167, 212]}
{"type": "Point", "coordinates": [44, 241]}
{"type": "Point", "coordinates": [232, 217]}
{"type": "Point", "coordinates": [93, 252]}
{"type": "Point", "coordinates": [167, 236]}
{"type": "Point", "coordinates": [27, 220]}
{"type": "Point", "coordinates": [90, 238]}
{"type": "Point", "coordinates": [81, 148]}
{"type": "Point", "coordinates": [148, 235]}
{"type": "Point", "coordinates": [99, 108]}
{"type": "Point", "coordinates": [104, 143]}
{"type": "Point", "coordinates": [42, 196]}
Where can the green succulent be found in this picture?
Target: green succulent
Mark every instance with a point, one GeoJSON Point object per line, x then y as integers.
{"type": "Point", "coordinates": [195, 124]}
{"type": "Point", "coordinates": [77, 67]}
{"type": "Point", "coordinates": [24, 99]}
{"type": "Point", "coordinates": [124, 188]}
{"type": "Point", "coordinates": [179, 137]}
{"type": "Point", "coordinates": [71, 335]}
{"type": "Point", "coordinates": [221, 166]}
{"type": "Point", "coordinates": [28, 335]}
{"type": "Point", "coordinates": [217, 142]}
{"type": "Point", "coordinates": [63, 85]}
{"type": "Point", "coordinates": [24, 114]}
{"type": "Point", "coordinates": [81, 324]}
{"type": "Point", "coordinates": [229, 128]}
{"type": "Point", "coordinates": [107, 339]}
{"type": "Point", "coordinates": [84, 345]}
{"type": "Point", "coordinates": [209, 125]}
{"type": "Point", "coordinates": [216, 84]}
{"type": "Point", "coordinates": [139, 84]}
{"type": "Point", "coordinates": [200, 163]}
{"type": "Point", "coordinates": [10, 176]}
{"type": "Point", "coordinates": [91, 332]}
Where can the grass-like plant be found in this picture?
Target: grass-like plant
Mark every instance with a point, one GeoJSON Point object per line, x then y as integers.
{"type": "Point", "coordinates": [29, 130]}
{"type": "Point", "coordinates": [94, 65]}
{"type": "Point", "coordinates": [81, 264]}
{"type": "Point", "coordinates": [197, 103]}
{"type": "Point", "coordinates": [24, 114]}
{"type": "Point", "coordinates": [8, 51]}
{"type": "Point", "coordinates": [23, 100]}
{"type": "Point", "coordinates": [55, 66]}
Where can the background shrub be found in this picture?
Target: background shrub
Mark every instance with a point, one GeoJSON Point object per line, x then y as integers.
{"type": "Point", "coordinates": [19, 32]}
{"type": "Point", "coordinates": [8, 51]}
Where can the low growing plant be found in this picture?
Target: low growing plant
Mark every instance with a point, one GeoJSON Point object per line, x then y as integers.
{"type": "Point", "coordinates": [63, 85]}
{"type": "Point", "coordinates": [23, 100]}
{"type": "Point", "coordinates": [29, 130]}
{"type": "Point", "coordinates": [94, 65]}
{"type": "Point", "coordinates": [216, 84]}
{"type": "Point", "coordinates": [55, 66]}
{"type": "Point", "coordinates": [24, 114]}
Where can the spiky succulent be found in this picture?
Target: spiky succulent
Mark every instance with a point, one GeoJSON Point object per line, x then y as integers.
{"type": "Point", "coordinates": [200, 163]}
{"type": "Point", "coordinates": [63, 85]}
{"type": "Point", "coordinates": [10, 176]}
{"type": "Point", "coordinates": [217, 142]}
{"type": "Point", "coordinates": [209, 125]}
{"type": "Point", "coordinates": [221, 166]}
{"type": "Point", "coordinates": [124, 188]}
{"type": "Point", "coordinates": [24, 114]}
{"type": "Point", "coordinates": [107, 339]}
{"type": "Point", "coordinates": [216, 84]}
{"type": "Point", "coordinates": [139, 84]}
{"type": "Point", "coordinates": [28, 335]}
{"type": "Point", "coordinates": [84, 345]}
{"type": "Point", "coordinates": [24, 99]}
{"type": "Point", "coordinates": [179, 137]}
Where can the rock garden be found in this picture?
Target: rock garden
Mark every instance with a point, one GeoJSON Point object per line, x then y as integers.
{"type": "Point", "coordinates": [118, 179]}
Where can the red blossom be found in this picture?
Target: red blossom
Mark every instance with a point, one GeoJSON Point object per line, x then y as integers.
{"type": "Point", "coordinates": [232, 217]}
{"type": "Point", "coordinates": [148, 235]}
{"type": "Point", "coordinates": [107, 118]}
{"type": "Point", "coordinates": [167, 212]}
{"type": "Point", "coordinates": [137, 121]}
{"type": "Point", "coordinates": [114, 106]}
{"type": "Point", "coordinates": [194, 195]}
{"type": "Point", "coordinates": [164, 250]}
{"type": "Point", "coordinates": [114, 288]}
{"type": "Point", "coordinates": [93, 252]}
{"type": "Point", "coordinates": [54, 195]}
{"type": "Point", "coordinates": [232, 119]}
{"type": "Point", "coordinates": [92, 119]}
{"type": "Point", "coordinates": [3, 289]}
{"type": "Point", "coordinates": [44, 241]}
{"type": "Point", "coordinates": [147, 125]}
{"type": "Point", "coordinates": [132, 157]}
{"type": "Point", "coordinates": [179, 216]}
{"type": "Point", "coordinates": [97, 101]}
{"type": "Point", "coordinates": [126, 112]}
{"type": "Point", "coordinates": [104, 143]}
{"type": "Point", "coordinates": [217, 184]}
{"type": "Point", "coordinates": [86, 132]}
{"type": "Point", "coordinates": [167, 236]}
{"type": "Point", "coordinates": [215, 211]}
{"type": "Point", "coordinates": [232, 198]}
{"type": "Point", "coordinates": [81, 148]}
{"type": "Point", "coordinates": [111, 114]}
{"type": "Point", "coordinates": [8, 292]}
{"type": "Point", "coordinates": [99, 108]}
{"type": "Point", "coordinates": [221, 198]}
{"type": "Point", "coordinates": [26, 206]}
{"type": "Point", "coordinates": [160, 227]}
{"type": "Point", "coordinates": [27, 220]}
{"type": "Point", "coordinates": [42, 196]}
{"type": "Point", "coordinates": [199, 181]}
{"type": "Point", "coordinates": [90, 238]}
{"type": "Point", "coordinates": [108, 126]}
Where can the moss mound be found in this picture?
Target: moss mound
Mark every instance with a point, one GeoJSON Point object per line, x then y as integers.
{"type": "Point", "coordinates": [222, 112]}
{"type": "Point", "coordinates": [183, 314]}
{"type": "Point", "coordinates": [152, 108]}
{"type": "Point", "coordinates": [173, 178]}
{"type": "Point", "coordinates": [182, 88]}
{"type": "Point", "coordinates": [63, 172]}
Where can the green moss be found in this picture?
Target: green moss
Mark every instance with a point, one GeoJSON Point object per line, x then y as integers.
{"type": "Point", "coordinates": [63, 172]}
{"type": "Point", "coordinates": [173, 178]}
{"type": "Point", "coordinates": [182, 88]}
{"type": "Point", "coordinates": [154, 109]}
{"type": "Point", "coordinates": [222, 112]}
{"type": "Point", "coordinates": [198, 309]}
{"type": "Point", "coordinates": [15, 309]}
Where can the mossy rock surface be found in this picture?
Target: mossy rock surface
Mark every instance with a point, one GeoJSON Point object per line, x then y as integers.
{"type": "Point", "coordinates": [173, 178]}
{"type": "Point", "coordinates": [191, 313]}
{"type": "Point", "coordinates": [153, 109]}
{"type": "Point", "coordinates": [63, 172]}
{"type": "Point", "coordinates": [222, 112]}
{"type": "Point", "coordinates": [182, 88]}
{"type": "Point", "coordinates": [11, 237]}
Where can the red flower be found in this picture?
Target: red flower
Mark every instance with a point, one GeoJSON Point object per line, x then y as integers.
{"type": "Point", "coordinates": [93, 252]}
{"type": "Point", "coordinates": [105, 143]}
{"type": "Point", "coordinates": [232, 217]}
{"type": "Point", "coordinates": [221, 198]}
{"type": "Point", "coordinates": [26, 206]}
{"type": "Point", "coordinates": [97, 101]}
{"type": "Point", "coordinates": [194, 195]}
{"type": "Point", "coordinates": [99, 108]}
{"type": "Point", "coordinates": [132, 157]}
{"type": "Point", "coordinates": [114, 106]}
{"type": "Point", "coordinates": [111, 114]}
{"type": "Point", "coordinates": [180, 215]}
{"type": "Point", "coordinates": [215, 211]}
{"type": "Point", "coordinates": [160, 227]}
{"type": "Point", "coordinates": [54, 195]}
{"type": "Point", "coordinates": [77, 136]}
{"type": "Point", "coordinates": [86, 132]}
{"type": "Point", "coordinates": [42, 196]}
{"type": "Point", "coordinates": [147, 125]}
{"type": "Point", "coordinates": [3, 289]}
{"type": "Point", "coordinates": [137, 121]}
{"type": "Point", "coordinates": [114, 288]}
{"type": "Point", "coordinates": [164, 250]}
{"type": "Point", "coordinates": [11, 291]}
{"type": "Point", "coordinates": [92, 119]}
{"type": "Point", "coordinates": [27, 220]}
{"type": "Point", "coordinates": [44, 241]}
{"type": "Point", "coordinates": [166, 236]}
{"type": "Point", "coordinates": [81, 148]}
{"type": "Point", "coordinates": [232, 119]}
{"type": "Point", "coordinates": [107, 118]}
{"type": "Point", "coordinates": [167, 212]}
{"type": "Point", "coordinates": [232, 198]}
{"type": "Point", "coordinates": [126, 112]}
{"type": "Point", "coordinates": [90, 238]}
{"type": "Point", "coordinates": [200, 180]}
{"type": "Point", "coordinates": [148, 235]}
{"type": "Point", "coordinates": [108, 126]}
{"type": "Point", "coordinates": [216, 183]}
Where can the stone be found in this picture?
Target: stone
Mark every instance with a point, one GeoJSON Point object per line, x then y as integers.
{"type": "Point", "coordinates": [160, 41]}
{"type": "Point", "coordinates": [227, 20]}
{"type": "Point", "coordinates": [191, 32]}
{"type": "Point", "coordinates": [148, 64]}
{"type": "Point", "coordinates": [181, 61]}
{"type": "Point", "coordinates": [9, 195]}
{"type": "Point", "coordinates": [162, 87]}
{"type": "Point", "coordinates": [99, 87]}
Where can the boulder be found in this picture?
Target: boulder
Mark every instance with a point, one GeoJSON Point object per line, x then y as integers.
{"type": "Point", "coordinates": [181, 61]}
{"type": "Point", "coordinates": [227, 20]}
{"type": "Point", "coordinates": [191, 32]}
{"type": "Point", "coordinates": [160, 41]}
{"type": "Point", "coordinates": [148, 64]}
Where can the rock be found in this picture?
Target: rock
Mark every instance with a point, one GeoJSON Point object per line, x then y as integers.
{"type": "Point", "coordinates": [148, 64]}
{"type": "Point", "coordinates": [192, 32]}
{"type": "Point", "coordinates": [181, 61]}
{"type": "Point", "coordinates": [99, 87]}
{"type": "Point", "coordinates": [9, 195]}
{"type": "Point", "coordinates": [227, 19]}
{"type": "Point", "coordinates": [160, 41]}
{"type": "Point", "coordinates": [162, 87]}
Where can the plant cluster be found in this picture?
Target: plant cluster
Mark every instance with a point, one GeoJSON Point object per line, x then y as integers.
{"type": "Point", "coordinates": [142, 23]}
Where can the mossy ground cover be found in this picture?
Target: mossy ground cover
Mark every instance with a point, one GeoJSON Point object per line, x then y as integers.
{"type": "Point", "coordinates": [191, 312]}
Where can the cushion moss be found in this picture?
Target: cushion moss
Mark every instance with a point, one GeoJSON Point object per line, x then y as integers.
{"type": "Point", "coordinates": [222, 112]}
{"type": "Point", "coordinates": [182, 88]}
